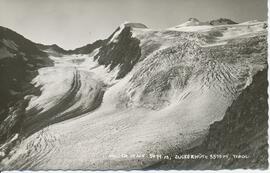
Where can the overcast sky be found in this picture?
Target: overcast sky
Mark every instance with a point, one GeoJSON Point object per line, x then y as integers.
{"type": "Point", "coordinates": [73, 23]}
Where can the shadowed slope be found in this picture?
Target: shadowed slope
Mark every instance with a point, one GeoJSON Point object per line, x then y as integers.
{"type": "Point", "coordinates": [19, 61]}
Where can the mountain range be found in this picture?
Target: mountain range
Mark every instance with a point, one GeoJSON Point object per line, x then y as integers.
{"type": "Point", "coordinates": [137, 99]}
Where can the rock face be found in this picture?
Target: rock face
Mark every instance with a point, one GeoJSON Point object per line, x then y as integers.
{"type": "Point", "coordinates": [241, 136]}
{"type": "Point", "coordinates": [19, 60]}
{"type": "Point", "coordinates": [120, 50]}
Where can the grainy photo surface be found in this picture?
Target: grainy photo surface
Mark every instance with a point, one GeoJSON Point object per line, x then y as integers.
{"type": "Point", "coordinates": [133, 84]}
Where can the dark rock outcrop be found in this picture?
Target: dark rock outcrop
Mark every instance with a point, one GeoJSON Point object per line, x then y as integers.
{"type": "Point", "coordinates": [124, 53]}
{"type": "Point", "coordinates": [222, 21]}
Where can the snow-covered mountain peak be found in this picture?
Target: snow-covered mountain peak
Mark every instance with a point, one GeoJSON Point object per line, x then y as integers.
{"type": "Point", "coordinates": [132, 25]}
{"type": "Point", "coordinates": [191, 22]}
{"type": "Point", "coordinates": [125, 26]}
{"type": "Point", "coordinates": [192, 19]}
{"type": "Point", "coordinates": [220, 31]}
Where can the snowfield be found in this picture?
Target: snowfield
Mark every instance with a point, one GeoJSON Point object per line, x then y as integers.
{"type": "Point", "coordinates": [185, 80]}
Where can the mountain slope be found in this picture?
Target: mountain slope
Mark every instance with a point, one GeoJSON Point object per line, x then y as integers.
{"type": "Point", "coordinates": [87, 49]}
{"type": "Point", "coordinates": [19, 61]}
{"type": "Point", "coordinates": [53, 49]}
{"type": "Point", "coordinates": [241, 136]}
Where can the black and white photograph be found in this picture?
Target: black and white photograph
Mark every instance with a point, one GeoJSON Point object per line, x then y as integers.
{"type": "Point", "coordinates": [98, 85]}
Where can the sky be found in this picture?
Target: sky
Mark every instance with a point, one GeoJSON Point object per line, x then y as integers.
{"type": "Point", "coordinates": [74, 23]}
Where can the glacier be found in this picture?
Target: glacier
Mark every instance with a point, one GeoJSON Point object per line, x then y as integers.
{"type": "Point", "coordinates": [97, 109]}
